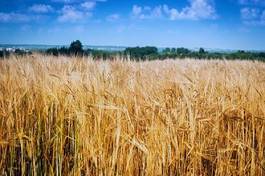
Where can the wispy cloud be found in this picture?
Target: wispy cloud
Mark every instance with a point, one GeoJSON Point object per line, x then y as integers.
{"type": "Point", "coordinates": [249, 13]}
{"type": "Point", "coordinates": [89, 5]}
{"type": "Point", "coordinates": [71, 14]}
{"type": "Point", "coordinates": [195, 10]}
{"type": "Point", "coordinates": [252, 12]}
{"type": "Point", "coordinates": [13, 17]}
{"type": "Point", "coordinates": [146, 12]}
{"type": "Point", "coordinates": [253, 16]}
{"type": "Point", "coordinates": [41, 8]}
{"type": "Point", "coordinates": [136, 10]}
{"type": "Point", "coordinates": [77, 12]}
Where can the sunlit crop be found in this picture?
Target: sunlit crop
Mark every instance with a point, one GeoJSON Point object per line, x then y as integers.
{"type": "Point", "coordinates": [78, 116]}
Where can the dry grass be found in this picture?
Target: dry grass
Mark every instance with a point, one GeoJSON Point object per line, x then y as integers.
{"type": "Point", "coordinates": [82, 117]}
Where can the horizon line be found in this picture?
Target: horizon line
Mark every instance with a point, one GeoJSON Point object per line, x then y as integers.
{"type": "Point", "coordinates": [124, 46]}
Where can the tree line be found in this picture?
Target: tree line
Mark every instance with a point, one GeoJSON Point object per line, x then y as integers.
{"type": "Point", "coordinates": [152, 53]}
{"type": "Point", "coordinates": [76, 49]}
{"type": "Point", "coordinates": [144, 53]}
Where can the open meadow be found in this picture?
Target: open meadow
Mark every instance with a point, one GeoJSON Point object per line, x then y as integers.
{"type": "Point", "coordinates": [78, 116]}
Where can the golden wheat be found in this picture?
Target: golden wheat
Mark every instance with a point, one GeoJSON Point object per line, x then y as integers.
{"type": "Point", "coordinates": [76, 116]}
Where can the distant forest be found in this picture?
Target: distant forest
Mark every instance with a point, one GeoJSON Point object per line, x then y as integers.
{"type": "Point", "coordinates": [140, 53]}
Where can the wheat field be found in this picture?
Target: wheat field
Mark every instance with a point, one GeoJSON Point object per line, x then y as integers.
{"type": "Point", "coordinates": [78, 116]}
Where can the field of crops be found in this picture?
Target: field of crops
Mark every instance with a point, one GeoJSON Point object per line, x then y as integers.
{"type": "Point", "coordinates": [78, 116]}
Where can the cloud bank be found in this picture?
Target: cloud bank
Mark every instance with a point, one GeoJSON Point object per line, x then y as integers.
{"type": "Point", "coordinates": [195, 10]}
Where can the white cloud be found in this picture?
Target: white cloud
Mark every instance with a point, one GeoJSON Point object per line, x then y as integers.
{"type": "Point", "coordinates": [249, 13]}
{"type": "Point", "coordinates": [196, 10]}
{"type": "Point", "coordinates": [137, 10]}
{"type": "Point", "coordinates": [253, 16]}
{"type": "Point", "coordinates": [253, 12]}
{"type": "Point", "coordinates": [157, 11]}
{"type": "Point", "coordinates": [89, 5]}
{"type": "Point", "coordinates": [13, 17]}
{"type": "Point", "coordinates": [78, 10]}
{"type": "Point", "coordinates": [71, 14]}
{"type": "Point", "coordinates": [173, 13]}
{"type": "Point", "coordinates": [146, 12]}
{"type": "Point", "coordinates": [41, 8]}
{"type": "Point", "coordinates": [113, 17]}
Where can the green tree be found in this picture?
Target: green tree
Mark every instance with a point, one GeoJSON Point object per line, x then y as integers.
{"type": "Point", "coordinates": [202, 51]}
{"type": "Point", "coordinates": [142, 52]}
{"type": "Point", "coordinates": [52, 51]}
{"type": "Point", "coordinates": [76, 48]}
{"type": "Point", "coordinates": [166, 50]}
{"type": "Point", "coordinates": [183, 51]}
{"type": "Point", "coordinates": [173, 50]}
{"type": "Point", "coordinates": [1, 53]}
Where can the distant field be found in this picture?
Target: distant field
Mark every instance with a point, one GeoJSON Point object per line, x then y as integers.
{"type": "Point", "coordinates": [73, 116]}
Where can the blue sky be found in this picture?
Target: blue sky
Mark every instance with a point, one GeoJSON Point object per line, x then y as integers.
{"type": "Point", "coordinates": [225, 24]}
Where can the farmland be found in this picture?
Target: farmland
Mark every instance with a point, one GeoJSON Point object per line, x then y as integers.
{"type": "Point", "coordinates": [79, 116]}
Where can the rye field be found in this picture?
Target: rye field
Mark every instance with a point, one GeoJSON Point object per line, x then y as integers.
{"type": "Point", "coordinates": [78, 116]}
